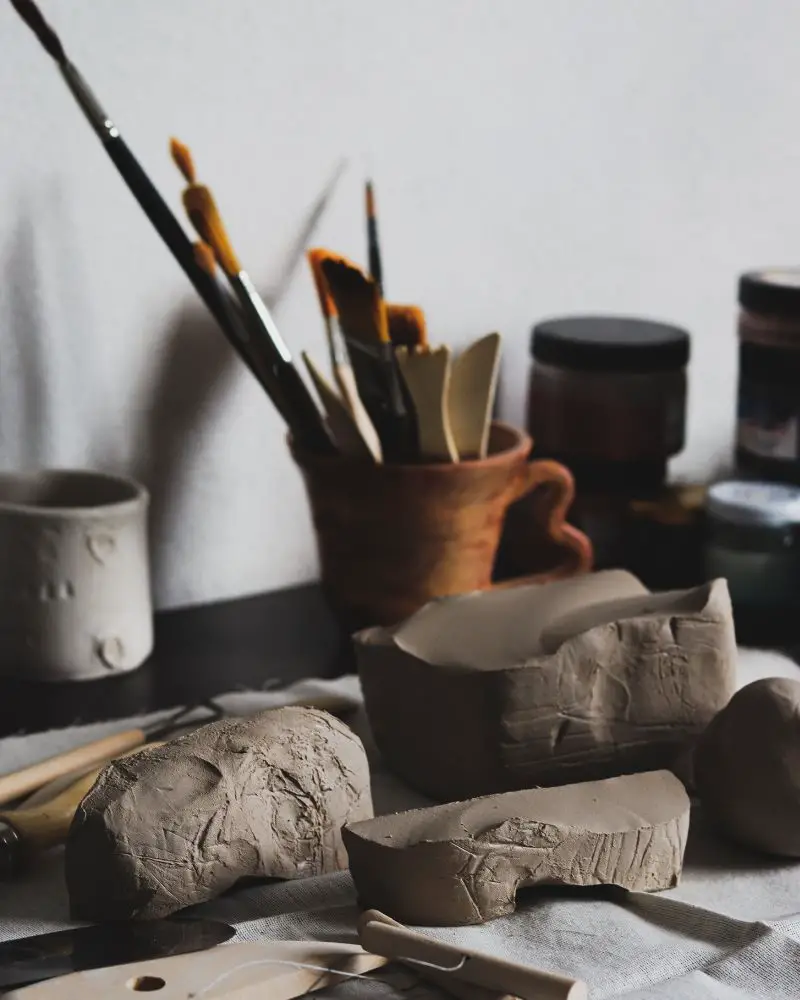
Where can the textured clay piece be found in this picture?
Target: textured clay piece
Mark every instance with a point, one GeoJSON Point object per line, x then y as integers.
{"type": "Point", "coordinates": [179, 824]}
{"type": "Point", "coordinates": [747, 767]}
{"type": "Point", "coordinates": [462, 863]}
{"type": "Point", "coordinates": [547, 684]}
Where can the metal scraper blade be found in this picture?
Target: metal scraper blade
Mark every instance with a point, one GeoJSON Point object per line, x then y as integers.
{"type": "Point", "coordinates": [43, 956]}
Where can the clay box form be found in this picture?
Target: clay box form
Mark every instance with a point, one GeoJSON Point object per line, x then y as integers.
{"type": "Point", "coordinates": [547, 684]}
{"type": "Point", "coordinates": [462, 863]}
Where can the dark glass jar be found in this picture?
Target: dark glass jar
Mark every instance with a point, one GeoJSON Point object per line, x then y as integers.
{"type": "Point", "coordinates": [768, 409]}
{"type": "Point", "coordinates": [607, 397]}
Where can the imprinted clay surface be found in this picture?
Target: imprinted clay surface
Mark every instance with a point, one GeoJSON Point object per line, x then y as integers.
{"type": "Point", "coordinates": [179, 824]}
{"type": "Point", "coordinates": [463, 862]}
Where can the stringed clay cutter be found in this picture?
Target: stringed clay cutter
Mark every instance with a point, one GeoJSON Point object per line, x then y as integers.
{"type": "Point", "coordinates": [546, 684]}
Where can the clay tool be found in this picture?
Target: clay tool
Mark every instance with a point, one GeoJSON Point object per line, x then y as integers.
{"type": "Point", "coordinates": [339, 360]}
{"type": "Point", "coordinates": [296, 403]}
{"type": "Point", "coordinates": [373, 243]}
{"type": "Point", "coordinates": [362, 314]}
{"type": "Point", "coordinates": [444, 980]}
{"type": "Point", "coordinates": [18, 783]}
{"type": "Point", "coordinates": [496, 974]}
{"type": "Point", "coordinates": [47, 956]}
{"type": "Point", "coordinates": [279, 970]}
{"type": "Point", "coordinates": [140, 185]}
{"type": "Point", "coordinates": [407, 326]}
{"type": "Point", "coordinates": [427, 377]}
{"type": "Point", "coordinates": [31, 829]}
{"type": "Point", "coordinates": [346, 433]}
{"type": "Point", "coordinates": [470, 399]}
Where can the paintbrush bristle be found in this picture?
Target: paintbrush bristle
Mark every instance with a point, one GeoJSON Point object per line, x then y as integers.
{"type": "Point", "coordinates": [202, 210]}
{"type": "Point", "coordinates": [34, 18]}
{"type": "Point", "coordinates": [407, 327]}
{"type": "Point", "coordinates": [358, 300]}
{"type": "Point", "coordinates": [315, 258]}
{"type": "Point", "coordinates": [204, 256]}
{"type": "Point", "coordinates": [182, 158]}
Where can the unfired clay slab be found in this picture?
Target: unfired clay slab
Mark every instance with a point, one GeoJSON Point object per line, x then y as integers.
{"type": "Point", "coordinates": [179, 824]}
{"type": "Point", "coordinates": [547, 684]}
{"type": "Point", "coordinates": [462, 863]}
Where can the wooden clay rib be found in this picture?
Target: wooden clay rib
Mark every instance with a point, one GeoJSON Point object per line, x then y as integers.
{"type": "Point", "coordinates": [473, 381]}
{"type": "Point", "coordinates": [462, 862]}
{"type": "Point", "coordinates": [427, 376]}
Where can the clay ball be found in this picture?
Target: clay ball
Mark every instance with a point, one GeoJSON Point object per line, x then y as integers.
{"type": "Point", "coordinates": [747, 767]}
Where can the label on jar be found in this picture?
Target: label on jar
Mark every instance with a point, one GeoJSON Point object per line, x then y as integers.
{"type": "Point", "coordinates": [768, 420]}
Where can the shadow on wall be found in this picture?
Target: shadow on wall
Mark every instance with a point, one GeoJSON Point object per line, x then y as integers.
{"type": "Point", "coordinates": [197, 367]}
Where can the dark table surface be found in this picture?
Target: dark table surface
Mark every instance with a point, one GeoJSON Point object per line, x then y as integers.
{"type": "Point", "coordinates": [271, 638]}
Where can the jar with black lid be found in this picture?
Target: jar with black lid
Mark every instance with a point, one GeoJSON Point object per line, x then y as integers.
{"type": "Point", "coordinates": [768, 410]}
{"type": "Point", "coordinates": [607, 398]}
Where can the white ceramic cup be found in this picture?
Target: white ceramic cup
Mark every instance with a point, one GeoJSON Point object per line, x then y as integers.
{"type": "Point", "coordinates": [74, 577]}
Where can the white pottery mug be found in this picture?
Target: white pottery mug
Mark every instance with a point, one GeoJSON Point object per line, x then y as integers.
{"type": "Point", "coordinates": [74, 578]}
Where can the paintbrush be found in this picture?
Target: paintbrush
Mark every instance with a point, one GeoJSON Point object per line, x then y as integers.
{"type": "Point", "coordinates": [242, 341]}
{"type": "Point", "coordinates": [298, 406]}
{"type": "Point", "coordinates": [362, 314]}
{"type": "Point", "coordinates": [407, 326]}
{"type": "Point", "coordinates": [340, 363]}
{"type": "Point", "coordinates": [132, 173]}
{"type": "Point", "coordinates": [373, 244]}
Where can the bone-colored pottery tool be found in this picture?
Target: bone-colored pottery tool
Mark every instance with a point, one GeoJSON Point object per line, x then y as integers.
{"type": "Point", "coordinates": [470, 398]}
{"type": "Point", "coordinates": [344, 428]}
{"type": "Point", "coordinates": [427, 377]}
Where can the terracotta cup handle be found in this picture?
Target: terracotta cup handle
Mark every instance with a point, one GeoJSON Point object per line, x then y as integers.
{"type": "Point", "coordinates": [558, 478]}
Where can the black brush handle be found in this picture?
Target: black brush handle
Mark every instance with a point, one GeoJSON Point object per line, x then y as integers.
{"type": "Point", "coordinates": [168, 227]}
{"type": "Point", "coordinates": [290, 399]}
{"type": "Point", "coordinates": [374, 254]}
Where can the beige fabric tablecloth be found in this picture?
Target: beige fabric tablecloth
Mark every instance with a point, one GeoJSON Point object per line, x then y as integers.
{"type": "Point", "coordinates": [730, 931]}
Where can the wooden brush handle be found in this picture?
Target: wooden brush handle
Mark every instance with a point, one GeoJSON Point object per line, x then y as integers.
{"type": "Point", "coordinates": [28, 779]}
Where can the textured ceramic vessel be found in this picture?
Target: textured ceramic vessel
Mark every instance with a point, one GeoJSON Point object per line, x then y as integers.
{"type": "Point", "coordinates": [74, 576]}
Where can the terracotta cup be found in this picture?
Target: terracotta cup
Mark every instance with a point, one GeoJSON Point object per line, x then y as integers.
{"type": "Point", "coordinates": [392, 537]}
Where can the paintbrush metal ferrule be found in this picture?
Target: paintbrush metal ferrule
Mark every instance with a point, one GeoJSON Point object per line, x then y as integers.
{"type": "Point", "coordinates": [88, 103]}
{"type": "Point", "coordinates": [265, 317]}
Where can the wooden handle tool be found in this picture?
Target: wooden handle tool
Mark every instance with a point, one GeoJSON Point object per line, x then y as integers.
{"type": "Point", "coordinates": [427, 377]}
{"type": "Point", "coordinates": [496, 974]}
{"type": "Point", "coordinates": [278, 970]}
{"type": "Point", "coordinates": [346, 432]}
{"type": "Point", "coordinates": [444, 980]}
{"type": "Point", "coordinates": [26, 831]}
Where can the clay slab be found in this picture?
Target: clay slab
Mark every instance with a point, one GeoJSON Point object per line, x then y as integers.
{"type": "Point", "coordinates": [463, 862]}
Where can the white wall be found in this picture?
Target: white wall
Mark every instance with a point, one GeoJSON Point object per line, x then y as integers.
{"type": "Point", "coordinates": [532, 158]}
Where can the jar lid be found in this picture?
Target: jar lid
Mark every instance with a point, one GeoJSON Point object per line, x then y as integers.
{"type": "Point", "coordinates": [775, 291]}
{"type": "Point", "coordinates": [754, 504]}
{"type": "Point", "coordinates": [610, 344]}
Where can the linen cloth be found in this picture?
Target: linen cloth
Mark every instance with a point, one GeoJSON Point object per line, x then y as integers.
{"type": "Point", "coordinates": [729, 931]}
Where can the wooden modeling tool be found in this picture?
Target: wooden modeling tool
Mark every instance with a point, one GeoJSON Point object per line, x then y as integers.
{"type": "Point", "coordinates": [339, 360]}
{"type": "Point", "coordinates": [470, 400]}
{"type": "Point", "coordinates": [294, 400]}
{"type": "Point", "coordinates": [346, 434]}
{"type": "Point", "coordinates": [427, 377]}
{"type": "Point", "coordinates": [373, 243]}
{"type": "Point", "coordinates": [362, 314]}
{"type": "Point", "coordinates": [279, 970]}
{"type": "Point", "coordinates": [501, 977]}
{"type": "Point", "coordinates": [27, 831]}
{"type": "Point", "coordinates": [18, 783]}
{"type": "Point", "coordinates": [407, 326]}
